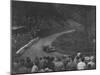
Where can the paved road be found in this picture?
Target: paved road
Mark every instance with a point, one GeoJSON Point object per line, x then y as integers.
{"type": "Point", "coordinates": [36, 48]}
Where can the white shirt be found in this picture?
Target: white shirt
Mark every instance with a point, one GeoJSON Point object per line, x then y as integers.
{"type": "Point", "coordinates": [42, 70]}
{"type": "Point", "coordinates": [47, 69]}
{"type": "Point", "coordinates": [91, 63]}
{"type": "Point", "coordinates": [81, 66]}
{"type": "Point", "coordinates": [58, 63]}
{"type": "Point", "coordinates": [34, 68]}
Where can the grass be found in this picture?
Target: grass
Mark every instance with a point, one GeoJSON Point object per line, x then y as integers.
{"type": "Point", "coordinates": [73, 43]}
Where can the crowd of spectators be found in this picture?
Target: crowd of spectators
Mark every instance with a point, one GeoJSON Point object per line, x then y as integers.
{"type": "Point", "coordinates": [54, 64]}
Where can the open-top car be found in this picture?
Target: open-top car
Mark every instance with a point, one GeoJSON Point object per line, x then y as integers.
{"type": "Point", "coordinates": [49, 49]}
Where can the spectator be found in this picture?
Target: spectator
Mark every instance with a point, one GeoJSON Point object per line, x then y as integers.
{"type": "Point", "coordinates": [21, 68]}
{"type": "Point", "coordinates": [22, 62]}
{"type": "Point", "coordinates": [81, 64]}
{"type": "Point", "coordinates": [91, 64]}
{"type": "Point", "coordinates": [36, 61]}
{"type": "Point", "coordinates": [34, 68]}
{"type": "Point", "coordinates": [16, 63]}
{"type": "Point", "coordinates": [41, 70]}
{"type": "Point", "coordinates": [78, 57]}
{"type": "Point", "coordinates": [49, 64]}
{"type": "Point", "coordinates": [70, 64]}
{"type": "Point", "coordinates": [58, 64]}
{"type": "Point", "coordinates": [92, 58]}
{"type": "Point", "coordinates": [16, 66]}
{"type": "Point", "coordinates": [28, 64]}
{"type": "Point", "coordinates": [41, 63]}
{"type": "Point", "coordinates": [86, 58]}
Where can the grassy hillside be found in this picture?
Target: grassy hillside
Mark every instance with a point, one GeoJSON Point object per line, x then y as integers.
{"type": "Point", "coordinates": [51, 19]}
{"type": "Point", "coordinates": [73, 43]}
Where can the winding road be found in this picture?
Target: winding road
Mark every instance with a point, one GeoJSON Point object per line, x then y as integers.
{"type": "Point", "coordinates": [36, 49]}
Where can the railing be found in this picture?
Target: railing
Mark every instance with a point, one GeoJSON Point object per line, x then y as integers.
{"type": "Point", "coordinates": [25, 47]}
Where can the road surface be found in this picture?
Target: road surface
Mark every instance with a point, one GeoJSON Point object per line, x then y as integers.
{"type": "Point", "coordinates": [36, 49]}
